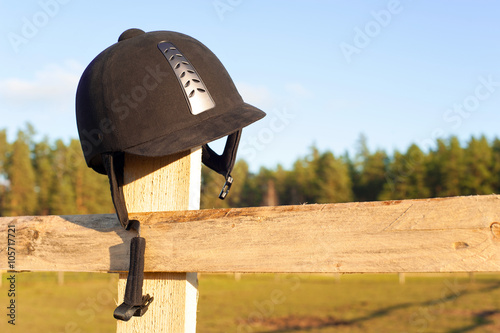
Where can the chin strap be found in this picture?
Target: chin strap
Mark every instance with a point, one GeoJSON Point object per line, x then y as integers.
{"type": "Point", "coordinates": [224, 163]}
{"type": "Point", "coordinates": [134, 303]}
{"type": "Point", "coordinates": [113, 163]}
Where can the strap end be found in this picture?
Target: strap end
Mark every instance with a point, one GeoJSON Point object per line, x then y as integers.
{"type": "Point", "coordinates": [226, 188]}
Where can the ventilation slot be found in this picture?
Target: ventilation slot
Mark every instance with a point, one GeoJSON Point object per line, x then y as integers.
{"type": "Point", "coordinates": [188, 79]}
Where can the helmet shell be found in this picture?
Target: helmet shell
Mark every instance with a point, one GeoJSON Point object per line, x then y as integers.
{"type": "Point", "coordinates": [134, 98]}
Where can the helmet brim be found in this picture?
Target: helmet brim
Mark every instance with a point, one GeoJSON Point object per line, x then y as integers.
{"type": "Point", "coordinates": [204, 132]}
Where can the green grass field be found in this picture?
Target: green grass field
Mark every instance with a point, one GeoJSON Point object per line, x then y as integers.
{"type": "Point", "coordinates": [272, 303]}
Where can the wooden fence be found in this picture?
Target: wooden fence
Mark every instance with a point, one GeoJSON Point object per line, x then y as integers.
{"type": "Point", "coordinates": [459, 234]}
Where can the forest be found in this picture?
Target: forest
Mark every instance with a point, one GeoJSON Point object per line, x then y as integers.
{"type": "Point", "coordinates": [50, 177]}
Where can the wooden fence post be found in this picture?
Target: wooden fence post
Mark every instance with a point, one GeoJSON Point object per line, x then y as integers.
{"type": "Point", "coordinates": [402, 278]}
{"type": "Point", "coordinates": [153, 184]}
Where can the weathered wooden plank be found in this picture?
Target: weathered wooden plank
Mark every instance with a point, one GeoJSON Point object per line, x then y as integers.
{"type": "Point", "coordinates": [427, 235]}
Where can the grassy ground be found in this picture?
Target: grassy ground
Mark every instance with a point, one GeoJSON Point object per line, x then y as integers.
{"type": "Point", "coordinates": [358, 303]}
{"type": "Point", "coordinates": [84, 303]}
{"type": "Point", "coordinates": [272, 303]}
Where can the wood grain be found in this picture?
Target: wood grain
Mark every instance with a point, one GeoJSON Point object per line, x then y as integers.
{"type": "Point", "coordinates": [153, 184]}
{"type": "Point", "coordinates": [459, 234]}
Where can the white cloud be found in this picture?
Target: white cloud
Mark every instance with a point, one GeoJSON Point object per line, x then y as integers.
{"type": "Point", "coordinates": [53, 86]}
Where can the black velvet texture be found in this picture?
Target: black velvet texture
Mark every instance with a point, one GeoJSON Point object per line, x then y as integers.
{"type": "Point", "coordinates": [130, 100]}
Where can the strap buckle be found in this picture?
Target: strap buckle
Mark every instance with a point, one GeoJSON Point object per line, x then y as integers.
{"type": "Point", "coordinates": [226, 187]}
{"type": "Point", "coordinates": [126, 311]}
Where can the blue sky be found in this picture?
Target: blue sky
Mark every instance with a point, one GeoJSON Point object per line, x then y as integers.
{"type": "Point", "coordinates": [400, 72]}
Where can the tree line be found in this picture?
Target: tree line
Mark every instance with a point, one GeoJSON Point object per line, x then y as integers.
{"type": "Point", "coordinates": [449, 169]}
{"type": "Point", "coordinates": [50, 177]}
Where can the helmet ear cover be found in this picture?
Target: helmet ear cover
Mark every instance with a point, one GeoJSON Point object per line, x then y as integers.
{"type": "Point", "coordinates": [224, 163]}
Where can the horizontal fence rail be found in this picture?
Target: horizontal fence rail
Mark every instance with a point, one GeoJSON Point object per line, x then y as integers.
{"type": "Point", "coordinates": [458, 234]}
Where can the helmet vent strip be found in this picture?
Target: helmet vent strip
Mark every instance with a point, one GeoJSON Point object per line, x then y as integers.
{"type": "Point", "coordinates": [188, 78]}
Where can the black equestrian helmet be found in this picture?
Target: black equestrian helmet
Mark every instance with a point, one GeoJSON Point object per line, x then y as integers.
{"type": "Point", "coordinates": [155, 94]}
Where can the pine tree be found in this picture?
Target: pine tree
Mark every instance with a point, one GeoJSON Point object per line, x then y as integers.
{"type": "Point", "coordinates": [44, 175]}
{"type": "Point", "coordinates": [309, 180]}
{"type": "Point", "coordinates": [434, 168]}
{"type": "Point", "coordinates": [4, 151]}
{"type": "Point", "coordinates": [334, 182]}
{"type": "Point", "coordinates": [317, 178]}
{"type": "Point", "coordinates": [368, 172]}
{"type": "Point", "coordinates": [300, 183]}
{"type": "Point", "coordinates": [91, 190]}
{"type": "Point", "coordinates": [63, 199]}
{"type": "Point", "coordinates": [285, 191]}
{"type": "Point", "coordinates": [211, 185]}
{"type": "Point", "coordinates": [495, 171]}
{"type": "Point", "coordinates": [396, 185]}
{"type": "Point", "coordinates": [406, 178]}
{"type": "Point", "coordinates": [260, 186]}
{"type": "Point", "coordinates": [22, 198]}
{"type": "Point", "coordinates": [446, 168]}
{"type": "Point", "coordinates": [240, 175]}
{"type": "Point", "coordinates": [451, 168]}
{"type": "Point", "coordinates": [417, 165]}
{"type": "Point", "coordinates": [478, 158]}
{"type": "Point", "coordinates": [372, 177]}
{"type": "Point", "coordinates": [76, 171]}
{"type": "Point", "coordinates": [252, 192]}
